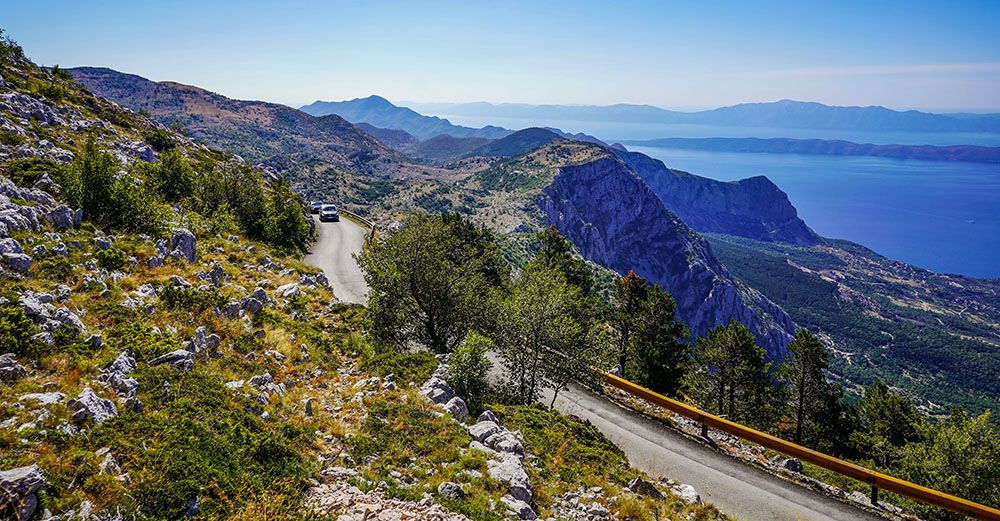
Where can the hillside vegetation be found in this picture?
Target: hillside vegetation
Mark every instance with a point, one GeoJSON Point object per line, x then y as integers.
{"type": "Point", "coordinates": [166, 354]}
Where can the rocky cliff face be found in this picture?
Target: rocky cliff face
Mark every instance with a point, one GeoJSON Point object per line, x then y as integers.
{"type": "Point", "coordinates": [755, 208]}
{"type": "Point", "coordinates": [617, 221]}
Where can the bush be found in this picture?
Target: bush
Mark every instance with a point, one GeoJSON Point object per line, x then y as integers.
{"type": "Point", "coordinates": [16, 330]}
{"type": "Point", "coordinates": [141, 340]}
{"type": "Point", "coordinates": [406, 367]}
{"type": "Point", "coordinates": [111, 259]}
{"type": "Point", "coordinates": [191, 299]}
{"type": "Point", "coordinates": [24, 172]}
{"type": "Point", "coordinates": [469, 370]}
{"type": "Point", "coordinates": [11, 139]}
{"type": "Point", "coordinates": [160, 140]}
{"type": "Point", "coordinates": [92, 183]}
{"type": "Point", "coordinates": [201, 440]}
{"type": "Point", "coordinates": [55, 267]}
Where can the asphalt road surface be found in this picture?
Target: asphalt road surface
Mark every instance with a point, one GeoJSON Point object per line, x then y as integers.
{"type": "Point", "coordinates": [738, 489]}
{"type": "Point", "coordinates": [333, 252]}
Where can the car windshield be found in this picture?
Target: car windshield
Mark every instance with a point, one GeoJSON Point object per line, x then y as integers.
{"type": "Point", "coordinates": [329, 208]}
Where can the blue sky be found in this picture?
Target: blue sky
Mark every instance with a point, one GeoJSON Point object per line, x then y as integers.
{"type": "Point", "coordinates": [901, 54]}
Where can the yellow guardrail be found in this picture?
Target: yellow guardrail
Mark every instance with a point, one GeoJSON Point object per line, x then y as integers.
{"type": "Point", "coordinates": [876, 480]}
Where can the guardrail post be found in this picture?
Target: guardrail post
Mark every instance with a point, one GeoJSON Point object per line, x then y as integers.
{"type": "Point", "coordinates": [704, 429]}
{"type": "Point", "coordinates": [874, 495]}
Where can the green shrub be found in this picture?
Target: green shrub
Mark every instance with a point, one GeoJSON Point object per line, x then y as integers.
{"type": "Point", "coordinates": [395, 431]}
{"type": "Point", "coordinates": [24, 172]}
{"type": "Point", "coordinates": [16, 330]}
{"type": "Point", "coordinates": [470, 370]}
{"type": "Point", "coordinates": [10, 138]}
{"type": "Point", "coordinates": [54, 267]}
{"type": "Point", "coordinates": [406, 367]}
{"type": "Point", "coordinates": [108, 200]}
{"type": "Point", "coordinates": [160, 140]}
{"type": "Point", "coordinates": [193, 300]}
{"type": "Point", "coordinates": [201, 440]}
{"type": "Point", "coordinates": [139, 339]}
{"type": "Point", "coordinates": [111, 258]}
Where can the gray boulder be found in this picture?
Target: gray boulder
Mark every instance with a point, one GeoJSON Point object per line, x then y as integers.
{"type": "Point", "coordinates": [505, 441]}
{"type": "Point", "coordinates": [508, 469]}
{"type": "Point", "coordinates": [181, 359]}
{"type": "Point", "coordinates": [289, 290]}
{"type": "Point", "coordinates": [251, 304]}
{"type": "Point", "coordinates": [19, 262]}
{"type": "Point", "coordinates": [10, 370]}
{"type": "Point", "coordinates": [60, 249]}
{"type": "Point", "coordinates": [520, 508]}
{"type": "Point", "coordinates": [687, 493]}
{"type": "Point", "coordinates": [102, 243]}
{"type": "Point", "coordinates": [645, 488]}
{"type": "Point", "coordinates": [451, 491]}
{"type": "Point", "coordinates": [483, 429]}
{"type": "Point", "coordinates": [61, 217]}
{"type": "Point", "coordinates": [183, 240]}
{"type": "Point", "coordinates": [17, 491]}
{"type": "Point", "coordinates": [9, 245]}
{"type": "Point", "coordinates": [89, 406]}
{"type": "Point", "coordinates": [68, 318]}
{"type": "Point", "coordinates": [43, 399]}
{"type": "Point", "coordinates": [457, 408]}
{"type": "Point", "coordinates": [437, 390]}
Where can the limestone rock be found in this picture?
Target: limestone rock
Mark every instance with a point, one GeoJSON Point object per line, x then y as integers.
{"type": "Point", "coordinates": [18, 488]}
{"type": "Point", "coordinates": [10, 370]}
{"type": "Point", "coordinates": [183, 241]}
{"type": "Point", "coordinates": [451, 491]}
{"type": "Point", "coordinates": [89, 406]}
{"type": "Point", "coordinates": [181, 359]}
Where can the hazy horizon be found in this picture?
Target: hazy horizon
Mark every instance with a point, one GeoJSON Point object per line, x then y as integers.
{"type": "Point", "coordinates": [898, 54]}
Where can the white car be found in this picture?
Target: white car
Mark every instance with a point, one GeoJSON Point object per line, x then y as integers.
{"type": "Point", "coordinates": [328, 212]}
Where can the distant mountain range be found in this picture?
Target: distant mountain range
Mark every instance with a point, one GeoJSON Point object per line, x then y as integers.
{"type": "Point", "coordinates": [379, 112]}
{"type": "Point", "coordinates": [257, 130]}
{"type": "Point", "coordinates": [970, 153]}
{"type": "Point", "coordinates": [779, 114]}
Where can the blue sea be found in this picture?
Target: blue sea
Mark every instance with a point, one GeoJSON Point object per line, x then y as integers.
{"type": "Point", "coordinates": [942, 216]}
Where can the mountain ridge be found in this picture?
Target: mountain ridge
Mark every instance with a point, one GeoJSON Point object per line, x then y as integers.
{"type": "Point", "coordinates": [777, 114]}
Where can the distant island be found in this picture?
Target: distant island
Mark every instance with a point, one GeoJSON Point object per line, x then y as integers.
{"type": "Point", "coordinates": [968, 153]}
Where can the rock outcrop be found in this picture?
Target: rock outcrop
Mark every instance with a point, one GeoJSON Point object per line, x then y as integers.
{"type": "Point", "coordinates": [755, 207]}
{"type": "Point", "coordinates": [617, 221]}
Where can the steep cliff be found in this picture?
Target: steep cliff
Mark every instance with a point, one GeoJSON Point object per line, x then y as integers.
{"type": "Point", "coordinates": [754, 208]}
{"type": "Point", "coordinates": [617, 221]}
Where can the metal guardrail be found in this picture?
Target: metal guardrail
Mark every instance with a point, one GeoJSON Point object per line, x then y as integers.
{"type": "Point", "coordinates": [876, 480]}
{"type": "Point", "coordinates": [361, 220]}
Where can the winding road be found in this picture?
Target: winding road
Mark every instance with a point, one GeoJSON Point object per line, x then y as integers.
{"type": "Point", "coordinates": [736, 488]}
{"type": "Point", "coordinates": [333, 252]}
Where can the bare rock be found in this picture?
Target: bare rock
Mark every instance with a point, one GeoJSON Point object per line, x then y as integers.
{"type": "Point", "coordinates": [89, 406]}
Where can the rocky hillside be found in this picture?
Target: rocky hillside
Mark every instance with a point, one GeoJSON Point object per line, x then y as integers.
{"type": "Point", "coordinates": [258, 131]}
{"type": "Point", "coordinates": [586, 203]}
{"type": "Point", "coordinates": [394, 138]}
{"type": "Point", "coordinates": [614, 219]}
{"type": "Point", "coordinates": [166, 354]}
{"type": "Point", "coordinates": [934, 337]}
{"type": "Point", "coordinates": [755, 208]}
